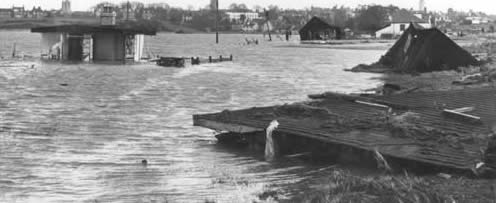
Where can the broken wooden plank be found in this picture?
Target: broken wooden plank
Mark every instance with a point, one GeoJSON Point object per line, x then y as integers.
{"type": "Point", "coordinates": [372, 104]}
{"type": "Point", "coordinates": [464, 109]}
{"type": "Point", "coordinates": [460, 115]}
{"type": "Point", "coordinates": [222, 126]}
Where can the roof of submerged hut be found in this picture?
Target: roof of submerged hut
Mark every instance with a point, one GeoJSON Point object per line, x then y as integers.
{"type": "Point", "coordinates": [415, 126]}
{"type": "Point", "coordinates": [426, 50]}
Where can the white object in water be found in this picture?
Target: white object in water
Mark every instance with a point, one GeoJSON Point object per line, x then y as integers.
{"type": "Point", "coordinates": [269, 142]}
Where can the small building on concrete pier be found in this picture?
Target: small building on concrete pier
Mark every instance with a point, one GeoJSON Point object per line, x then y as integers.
{"type": "Point", "coordinates": [107, 41]}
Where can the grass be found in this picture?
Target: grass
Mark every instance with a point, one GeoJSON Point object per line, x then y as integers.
{"type": "Point", "coordinates": [344, 187]}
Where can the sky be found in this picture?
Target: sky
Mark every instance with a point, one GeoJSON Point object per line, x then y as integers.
{"type": "Point", "coordinates": [487, 6]}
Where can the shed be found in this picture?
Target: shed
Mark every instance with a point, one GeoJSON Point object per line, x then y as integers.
{"type": "Point", "coordinates": [318, 29]}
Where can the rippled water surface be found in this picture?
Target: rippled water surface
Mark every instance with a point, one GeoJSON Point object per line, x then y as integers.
{"type": "Point", "coordinates": [78, 132]}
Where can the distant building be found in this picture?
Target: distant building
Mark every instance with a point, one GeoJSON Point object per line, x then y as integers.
{"type": "Point", "coordinates": [399, 22]}
{"type": "Point", "coordinates": [36, 13]}
{"type": "Point", "coordinates": [66, 8]}
{"type": "Point", "coordinates": [318, 29]}
{"type": "Point", "coordinates": [242, 16]}
{"type": "Point", "coordinates": [5, 13]}
{"type": "Point", "coordinates": [476, 20]}
{"type": "Point", "coordinates": [18, 12]}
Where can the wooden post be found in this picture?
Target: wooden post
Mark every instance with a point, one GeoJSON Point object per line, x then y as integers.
{"type": "Point", "coordinates": [14, 50]}
{"type": "Point", "coordinates": [230, 57]}
{"type": "Point", "coordinates": [210, 59]}
{"type": "Point", "coordinates": [192, 60]}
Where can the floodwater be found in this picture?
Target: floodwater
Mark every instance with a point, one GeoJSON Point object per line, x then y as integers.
{"type": "Point", "coordinates": [78, 132]}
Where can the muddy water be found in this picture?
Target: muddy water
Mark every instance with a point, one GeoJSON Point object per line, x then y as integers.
{"type": "Point", "coordinates": [78, 132]}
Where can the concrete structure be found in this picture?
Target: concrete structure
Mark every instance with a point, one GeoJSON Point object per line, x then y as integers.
{"type": "Point", "coordinates": [400, 21]}
{"type": "Point", "coordinates": [93, 42]}
{"type": "Point", "coordinates": [105, 42]}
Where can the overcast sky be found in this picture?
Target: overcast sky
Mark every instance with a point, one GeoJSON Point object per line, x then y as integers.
{"type": "Point", "coordinates": [488, 6]}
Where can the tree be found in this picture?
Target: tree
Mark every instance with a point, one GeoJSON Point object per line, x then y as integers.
{"type": "Point", "coordinates": [238, 7]}
{"type": "Point", "coordinates": [372, 18]}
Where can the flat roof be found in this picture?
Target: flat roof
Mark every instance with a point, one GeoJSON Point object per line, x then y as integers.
{"type": "Point", "coordinates": [88, 29]}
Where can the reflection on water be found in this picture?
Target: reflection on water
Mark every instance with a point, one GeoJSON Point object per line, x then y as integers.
{"type": "Point", "coordinates": [78, 132]}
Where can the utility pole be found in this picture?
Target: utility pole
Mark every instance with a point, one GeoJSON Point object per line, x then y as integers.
{"type": "Point", "coordinates": [267, 23]}
{"type": "Point", "coordinates": [217, 23]}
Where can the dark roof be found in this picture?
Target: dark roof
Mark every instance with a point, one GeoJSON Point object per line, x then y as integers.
{"type": "Point", "coordinates": [425, 50]}
{"type": "Point", "coordinates": [403, 16]}
{"type": "Point", "coordinates": [88, 29]}
{"type": "Point", "coordinates": [317, 24]}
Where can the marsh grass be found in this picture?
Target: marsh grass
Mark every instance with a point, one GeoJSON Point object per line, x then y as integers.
{"type": "Point", "coordinates": [343, 187]}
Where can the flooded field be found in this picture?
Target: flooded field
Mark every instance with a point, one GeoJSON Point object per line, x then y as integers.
{"type": "Point", "coordinates": [78, 132]}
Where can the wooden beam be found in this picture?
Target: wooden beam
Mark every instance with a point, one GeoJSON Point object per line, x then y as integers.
{"type": "Point", "coordinates": [464, 109]}
{"type": "Point", "coordinates": [455, 114]}
{"type": "Point", "coordinates": [229, 127]}
{"type": "Point", "coordinates": [372, 104]}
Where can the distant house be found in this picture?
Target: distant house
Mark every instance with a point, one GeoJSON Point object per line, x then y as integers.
{"type": "Point", "coordinates": [318, 29]}
{"type": "Point", "coordinates": [476, 20]}
{"type": "Point", "coordinates": [36, 13]}
{"type": "Point", "coordinates": [242, 16]}
{"type": "Point", "coordinates": [5, 13]}
{"type": "Point", "coordinates": [400, 21]}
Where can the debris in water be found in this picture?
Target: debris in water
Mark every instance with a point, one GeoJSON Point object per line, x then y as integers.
{"type": "Point", "coordinates": [381, 161]}
{"type": "Point", "coordinates": [269, 142]}
{"type": "Point", "coordinates": [444, 175]}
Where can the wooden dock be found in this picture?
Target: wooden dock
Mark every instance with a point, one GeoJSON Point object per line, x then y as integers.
{"type": "Point", "coordinates": [362, 122]}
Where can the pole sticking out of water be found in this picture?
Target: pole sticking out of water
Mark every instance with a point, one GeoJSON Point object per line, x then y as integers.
{"type": "Point", "coordinates": [14, 50]}
{"type": "Point", "coordinates": [269, 141]}
{"type": "Point", "coordinates": [217, 23]}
